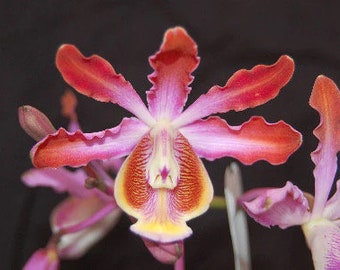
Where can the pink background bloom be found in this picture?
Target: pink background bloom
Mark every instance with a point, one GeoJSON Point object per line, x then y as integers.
{"type": "Point", "coordinates": [289, 206]}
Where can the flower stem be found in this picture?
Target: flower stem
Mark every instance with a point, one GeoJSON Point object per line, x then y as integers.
{"type": "Point", "coordinates": [180, 263]}
{"type": "Point", "coordinates": [218, 202]}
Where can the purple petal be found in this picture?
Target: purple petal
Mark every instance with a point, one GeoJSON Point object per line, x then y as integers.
{"type": "Point", "coordinates": [332, 209]}
{"type": "Point", "coordinates": [61, 180]}
{"type": "Point", "coordinates": [73, 211]}
{"type": "Point", "coordinates": [325, 98]}
{"type": "Point", "coordinates": [323, 238]}
{"type": "Point", "coordinates": [284, 207]}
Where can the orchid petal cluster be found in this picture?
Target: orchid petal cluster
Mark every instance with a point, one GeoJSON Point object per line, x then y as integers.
{"type": "Point", "coordinates": [163, 182]}
{"type": "Point", "coordinates": [83, 218]}
{"type": "Point", "coordinates": [90, 211]}
{"type": "Point", "coordinates": [319, 216]}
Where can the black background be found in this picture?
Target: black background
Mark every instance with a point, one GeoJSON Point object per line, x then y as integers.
{"type": "Point", "coordinates": [230, 35]}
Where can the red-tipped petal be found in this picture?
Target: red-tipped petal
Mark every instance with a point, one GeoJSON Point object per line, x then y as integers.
{"type": "Point", "coordinates": [325, 98]}
{"type": "Point", "coordinates": [94, 77]}
{"type": "Point", "coordinates": [76, 149]}
{"type": "Point", "coordinates": [162, 213]}
{"type": "Point", "coordinates": [173, 64]}
{"type": "Point", "coordinates": [254, 140]}
{"type": "Point", "coordinates": [245, 89]}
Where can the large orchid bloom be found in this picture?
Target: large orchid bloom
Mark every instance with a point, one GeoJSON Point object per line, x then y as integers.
{"type": "Point", "coordinates": [90, 211]}
{"type": "Point", "coordinates": [163, 182]}
{"type": "Point", "coordinates": [288, 206]}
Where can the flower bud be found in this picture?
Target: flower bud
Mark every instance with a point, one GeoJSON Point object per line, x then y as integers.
{"type": "Point", "coordinates": [34, 122]}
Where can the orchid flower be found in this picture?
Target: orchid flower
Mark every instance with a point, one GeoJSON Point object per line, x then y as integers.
{"type": "Point", "coordinates": [289, 206]}
{"type": "Point", "coordinates": [163, 182]}
{"type": "Point", "coordinates": [83, 218]}
{"type": "Point", "coordinates": [86, 215]}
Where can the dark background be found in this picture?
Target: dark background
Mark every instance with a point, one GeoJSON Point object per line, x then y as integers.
{"type": "Point", "coordinates": [230, 35]}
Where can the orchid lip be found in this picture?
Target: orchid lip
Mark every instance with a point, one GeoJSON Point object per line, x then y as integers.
{"type": "Point", "coordinates": [162, 167]}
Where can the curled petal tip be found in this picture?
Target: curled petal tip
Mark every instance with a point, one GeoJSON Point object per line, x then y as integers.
{"type": "Point", "coordinates": [284, 207]}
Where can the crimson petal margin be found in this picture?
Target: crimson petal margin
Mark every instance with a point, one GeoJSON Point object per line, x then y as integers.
{"type": "Point", "coordinates": [94, 77]}
{"type": "Point", "coordinates": [173, 64]}
{"type": "Point", "coordinates": [325, 98]}
{"type": "Point", "coordinates": [254, 140]}
{"type": "Point", "coordinates": [77, 149]}
{"type": "Point", "coordinates": [245, 89]}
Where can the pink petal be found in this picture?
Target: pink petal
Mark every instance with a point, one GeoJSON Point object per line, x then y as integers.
{"type": "Point", "coordinates": [77, 149]}
{"type": "Point", "coordinates": [173, 64]}
{"type": "Point", "coordinates": [43, 259]}
{"type": "Point", "coordinates": [167, 253]}
{"type": "Point", "coordinates": [325, 98]}
{"type": "Point", "coordinates": [95, 77]}
{"type": "Point", "coordinates": [245, 89]}
{"type": "Point", "coordinates": [283, 207]}
{"type": "Point", "coordinates": [332, 209]}
{"type": "Point", "coordinates": [323, 238]}
{"type": "Point", "coordinates": [162, 213]}
{"type": "Point", "coordinates": [73, 211]}
{"type": "Point", "coordinates": [61, 180]}
{"type": "Point", "coordinates": [254, 140]}
{"type": "Point", "coordinates": [34, 122]}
